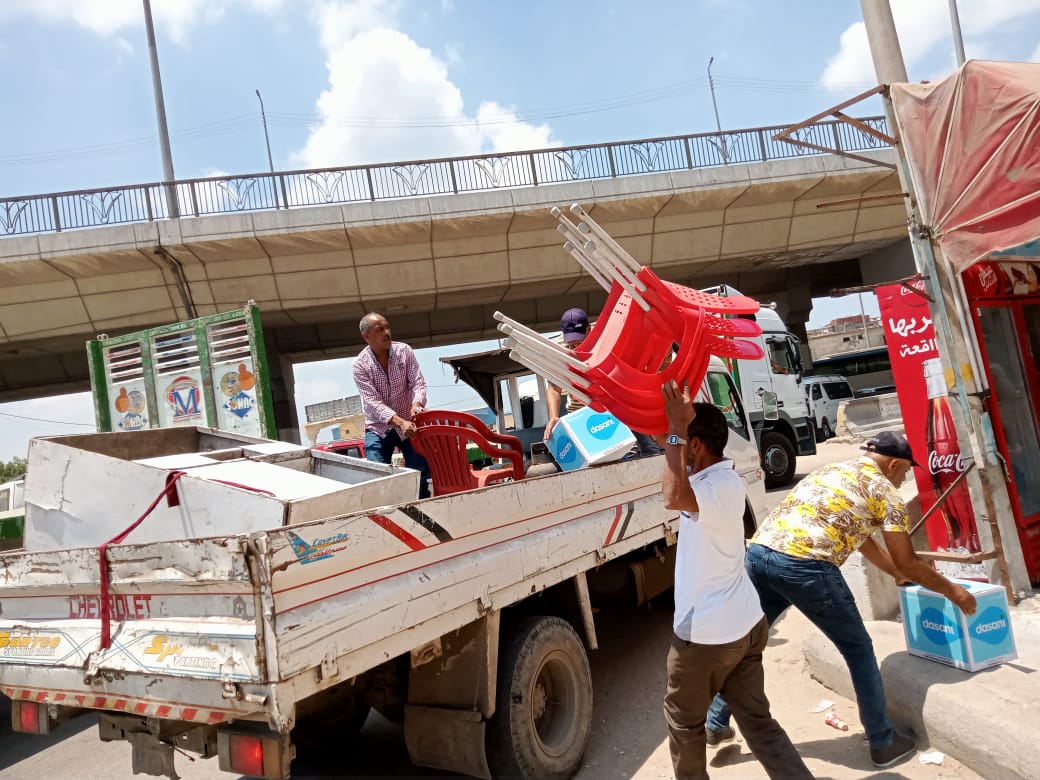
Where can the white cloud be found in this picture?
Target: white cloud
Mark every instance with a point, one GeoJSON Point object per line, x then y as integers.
{"type": "Point", "coordinates": [383, 75]}
{"type": "Point", "coordinates": [341, 20]}
{"type": "Point", "coordinates": [925, 37]}
{"type": "Point", "coordinates": [1035, 56]}
{"type": "Point", "coordinates": [108, 17]}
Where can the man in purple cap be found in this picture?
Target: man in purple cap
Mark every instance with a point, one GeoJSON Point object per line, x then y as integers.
{"type": "Point", "coordinates": [794, 556]}
{"type": "Point", "coordinates": [575, 327]}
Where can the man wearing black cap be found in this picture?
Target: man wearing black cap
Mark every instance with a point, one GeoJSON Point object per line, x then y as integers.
{"type": "Point", "coordinates": [794, 556]}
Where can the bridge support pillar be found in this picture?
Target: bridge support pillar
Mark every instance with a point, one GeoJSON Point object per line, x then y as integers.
{"type": "Point", "coordinates": [283, 396]}
{"type": "Point", "coordinates": [794, 305]}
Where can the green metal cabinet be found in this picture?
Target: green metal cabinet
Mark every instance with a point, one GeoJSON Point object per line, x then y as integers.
{"type": "Point", "coordinates": [211, 371]}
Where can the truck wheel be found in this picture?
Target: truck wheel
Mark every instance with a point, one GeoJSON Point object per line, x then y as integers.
{"type": "Point", "coordinates": [543, 715]}
{"type": "Point", "coordinates": [332, 725]}
{"type": "Point", "coordinates": [778, 459]}
{"type": "Point", "coordinates": [826, 431]}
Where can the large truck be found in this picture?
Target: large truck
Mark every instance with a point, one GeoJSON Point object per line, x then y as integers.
{"type": "Point", "coordinates": [275, 594]}
{"type": "Point", "coordinates": [772, 392]}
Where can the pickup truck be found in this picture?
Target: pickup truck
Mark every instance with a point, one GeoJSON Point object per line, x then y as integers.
{"type": "Point", "coordinates": [256, 610]}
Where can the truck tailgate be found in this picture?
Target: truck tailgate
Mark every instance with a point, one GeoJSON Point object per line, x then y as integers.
{"type": "Point", "coordinates": [183, 625]}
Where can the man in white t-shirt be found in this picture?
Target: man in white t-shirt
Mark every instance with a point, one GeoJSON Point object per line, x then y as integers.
{"type": "Point", "coordinates": [719, 627]}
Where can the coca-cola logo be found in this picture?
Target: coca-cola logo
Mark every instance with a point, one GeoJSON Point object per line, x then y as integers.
{"type": "Point", "coordinates": [945, 464]}
{"type": "Point", "coordinates": [986, 276]}
{"type": "Point", "coordinates": [912, 293]}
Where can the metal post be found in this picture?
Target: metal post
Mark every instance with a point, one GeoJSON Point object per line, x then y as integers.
{"type": "Point", "coordinates": [267, 140]}
{"type": "Point", "coordinates": [715, 105]}
{"type": "Point", "coordinates": [863, 319]}
{"type": "Point", "coordinates": [958, 39]}
{"type": "Point", "coordinates": [160, 115]}
{"type": "Point", "coordinates": [950, 333]}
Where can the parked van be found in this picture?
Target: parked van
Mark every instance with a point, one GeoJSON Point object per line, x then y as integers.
{"type": "Point", "coordinates": [823, 394]}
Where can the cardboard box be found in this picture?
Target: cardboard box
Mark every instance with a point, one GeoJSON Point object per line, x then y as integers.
{"type": "Point", "coordinates": [586, 437]}
{"type": "Point", "coordinates": [936, 629]}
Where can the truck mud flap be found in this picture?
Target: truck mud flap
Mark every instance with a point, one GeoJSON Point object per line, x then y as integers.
{"type": "Point", "coordinates": [452, 740]}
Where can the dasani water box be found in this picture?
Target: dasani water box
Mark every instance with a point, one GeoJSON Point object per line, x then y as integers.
{"type": "Point", "coordinates": [586, 437]}
{"type": "Point", "coordinates": [936, 629]}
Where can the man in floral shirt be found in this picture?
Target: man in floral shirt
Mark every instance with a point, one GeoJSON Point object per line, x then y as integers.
{"type": "Point", "coordinates": [794, 556]}
{"type": "Point", "coordinates": [392, 391]}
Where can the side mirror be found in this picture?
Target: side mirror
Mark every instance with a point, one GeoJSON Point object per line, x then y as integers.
{"type": "Point", "coordinates": [770, 408]}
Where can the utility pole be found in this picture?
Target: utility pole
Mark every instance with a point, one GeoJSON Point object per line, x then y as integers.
{"type": "Point", "coordinates": [951, 328]}
{"type": "Point", "coordinates": [715, 105]}
{"type": "Point", "coordinates": [958, 39]}
{"type": "Point", "coordinates": [172, 206]}
{"type": "Point", "coordinates": [863, 319]}
{"type": "Point", "coordinates": [267, 140]}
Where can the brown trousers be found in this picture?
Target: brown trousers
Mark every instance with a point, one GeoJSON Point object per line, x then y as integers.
{"type": "Point", "coordinates": [695, 674]}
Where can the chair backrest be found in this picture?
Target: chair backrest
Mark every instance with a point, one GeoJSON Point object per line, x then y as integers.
{"type": "Point", "coordinates": [466, 420]}
{"type": "Point", "coordinates": [444, 447]}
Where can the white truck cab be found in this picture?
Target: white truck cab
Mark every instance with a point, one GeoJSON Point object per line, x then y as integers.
{"type": "Point", "coordinates": [771, 389]}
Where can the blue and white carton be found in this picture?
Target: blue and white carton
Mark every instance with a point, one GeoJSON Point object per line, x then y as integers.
{"type": "Point", "coordinates": [586, 437]}
{"type": "Point", "coordinates": [936, 629]}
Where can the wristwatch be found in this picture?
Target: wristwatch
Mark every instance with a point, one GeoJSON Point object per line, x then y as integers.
{"type": "Point", "coordinates": [674, 438]}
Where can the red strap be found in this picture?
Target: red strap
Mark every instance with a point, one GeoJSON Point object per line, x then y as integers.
{"type": "Point", "coordinates": [239, 485]}
{"type": "Point", "coordinates": [169, 492]}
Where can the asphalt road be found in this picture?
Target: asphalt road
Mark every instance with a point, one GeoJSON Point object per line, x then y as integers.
{"type": "Point", "coordinates": [629, 738]}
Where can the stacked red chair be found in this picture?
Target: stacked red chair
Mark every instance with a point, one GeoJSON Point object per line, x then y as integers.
{"type": "Point", "coordinates": [443, 437]}
{"type": "Point", "coordinates": [649, 332]}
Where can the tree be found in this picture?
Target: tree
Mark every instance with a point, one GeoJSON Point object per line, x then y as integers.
{"type": "Point", "coordinates": [12, 469]}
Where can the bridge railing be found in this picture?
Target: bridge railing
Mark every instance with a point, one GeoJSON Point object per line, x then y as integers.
{"type": "Point", "coordinates": [60, 211]}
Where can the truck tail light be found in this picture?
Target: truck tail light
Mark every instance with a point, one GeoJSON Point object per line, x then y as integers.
{"type": "Point", "coordinates": [247, 755]}
{"type": "Point", "coordinates": [255, 754]}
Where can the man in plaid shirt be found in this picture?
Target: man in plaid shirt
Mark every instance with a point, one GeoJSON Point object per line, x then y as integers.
{"type": "Point", "coordinates": [393, 391]}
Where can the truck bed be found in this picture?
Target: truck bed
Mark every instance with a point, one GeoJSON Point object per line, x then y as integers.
{"type": "Point", "coordinates": [244, 626]}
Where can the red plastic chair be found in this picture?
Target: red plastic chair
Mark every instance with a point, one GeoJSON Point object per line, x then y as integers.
{"type": "Point", "coordinates": [466, 420]}
{"type": "Point", "coordinates": [444, 447]}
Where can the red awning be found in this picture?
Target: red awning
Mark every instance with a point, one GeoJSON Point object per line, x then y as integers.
{"type": "Point", "coordinates": [973, 144]}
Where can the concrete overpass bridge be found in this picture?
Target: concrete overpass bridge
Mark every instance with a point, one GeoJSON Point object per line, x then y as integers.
{"type": "Point", "coordinates": [437, 245]}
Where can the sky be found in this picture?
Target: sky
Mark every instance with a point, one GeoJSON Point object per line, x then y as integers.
{"type": "Point", "coordinates": [348, 82]}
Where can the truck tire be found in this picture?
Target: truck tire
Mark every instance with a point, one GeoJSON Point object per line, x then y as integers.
{"type": "Point", "coordinates": [543, 715]}
{"type": "Point", "coordinates": [332, 726]}
{"type": "Point", "coordinates": [778, 459]}
{"type": "Point", "coordinates": [825, 430]}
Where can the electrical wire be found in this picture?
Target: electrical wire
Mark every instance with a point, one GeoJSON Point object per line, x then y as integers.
{"type": "Point", "coordinates": [240, 122]}
{"type": "Point", "coordinates": [52, 422]}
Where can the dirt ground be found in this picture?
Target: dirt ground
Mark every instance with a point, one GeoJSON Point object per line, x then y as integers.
{"type": "Point", "coordinates": [630, 740]}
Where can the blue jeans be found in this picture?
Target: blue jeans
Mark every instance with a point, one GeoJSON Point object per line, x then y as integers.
{"type": "Point", "coordinates": [381, 448]}
{"type": "Point", "coordinates": [821, 593]}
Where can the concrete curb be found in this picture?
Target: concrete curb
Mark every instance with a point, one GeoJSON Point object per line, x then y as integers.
{"type": "Point", "coordinates": [987, 720]}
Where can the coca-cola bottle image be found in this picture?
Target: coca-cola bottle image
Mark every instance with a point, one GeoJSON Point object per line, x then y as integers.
{"type": "Point", "coordinates": [945, 463]}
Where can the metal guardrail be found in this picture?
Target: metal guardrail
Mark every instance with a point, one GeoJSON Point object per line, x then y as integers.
{"type": "Point", "coordinates": [60, 211]}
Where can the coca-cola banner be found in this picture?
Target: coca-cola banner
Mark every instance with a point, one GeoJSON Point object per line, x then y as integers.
{"type": "Point", "coordinates": [924, 401]}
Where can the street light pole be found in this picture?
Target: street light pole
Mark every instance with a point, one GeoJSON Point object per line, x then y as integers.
{"type": "Point", "coordinates": [958, 39]}
{"type": "Point", "coordinates": [951, 331]}
{"type": "Point", "coordinates": [267, 140]}
{"type": "Point", "coordinates": [172, 206]}
{"type": "Point", "coordinates": [715, 105]}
